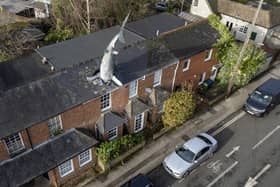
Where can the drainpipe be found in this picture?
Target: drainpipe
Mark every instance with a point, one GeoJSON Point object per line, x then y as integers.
{"type": "Point", "coordinates": [29, 138]}
{"type": "Point", "coordinates": [175, 73]}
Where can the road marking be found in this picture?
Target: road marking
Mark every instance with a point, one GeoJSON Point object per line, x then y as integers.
{"type": "Point", "coordinates": [227, 124]}
{"type": "Point", "coordinates": [253, 181]}
{"type": "Point", "coordinates": [222, 174]}
{"type": "Point", "coordinates": [180, 181]}
{"type": "Point", "coordinates": [212, 164]}
{"type": "Point", "coordinates": [266, 137]}
{"type": "Point", "coordinates": [234, 149]}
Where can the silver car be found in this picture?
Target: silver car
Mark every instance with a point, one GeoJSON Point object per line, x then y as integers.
{"type": "Point", "coordinates": [188, 156]}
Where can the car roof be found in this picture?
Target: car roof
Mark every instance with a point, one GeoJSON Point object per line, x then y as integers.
{"type": "Point", "coordinates": [195, 144]}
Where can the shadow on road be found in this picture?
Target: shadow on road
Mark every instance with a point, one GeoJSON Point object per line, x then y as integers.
{"type": "Point", "coordinates": [223, 137]}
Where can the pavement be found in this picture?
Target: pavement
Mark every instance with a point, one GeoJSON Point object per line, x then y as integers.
{"type": "Point", "coordinates": [152, 155]}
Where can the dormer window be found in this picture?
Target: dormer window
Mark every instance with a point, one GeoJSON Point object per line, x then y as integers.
{"type": "Point", "coordinates": [157, 78]}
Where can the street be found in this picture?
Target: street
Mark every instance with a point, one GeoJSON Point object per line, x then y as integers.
{"type": "Point", "coordinates": [249, 147]}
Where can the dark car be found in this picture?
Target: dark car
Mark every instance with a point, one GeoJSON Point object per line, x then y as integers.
{"type": "Point", "coordinates": [264, 98]}
{"type": "Point", "coordinates": [161, 6]}
{"type": "Point", "coordinates": [138, 181]}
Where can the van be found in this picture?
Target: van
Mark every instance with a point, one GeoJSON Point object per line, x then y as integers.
{"type": "Point", "coordinates": [264, 98]}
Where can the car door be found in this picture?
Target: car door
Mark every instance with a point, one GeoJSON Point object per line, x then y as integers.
{"type": "Point", "coordinates": [202, 155]}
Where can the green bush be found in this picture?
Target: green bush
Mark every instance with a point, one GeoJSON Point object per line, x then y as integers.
{"type": "Point", "coordinates": [110, 150]}
{"type": "Point", "coordinates": [178, 108]}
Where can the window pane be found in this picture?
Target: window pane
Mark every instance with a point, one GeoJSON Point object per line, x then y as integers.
{"type": "Point", "coordinates": [112, 133]}
{"type": "Point", "coordinates": [66, 168]}
{"type": "Point", "coordinates": [138, 122]}
{"type": "Point", "coordinates": [132, 88]}
{"type": "Point", "coordinates": [157, 78]}
{"type": "Point", "coordinates": [14, 143]}
{"type": "Point", "coordinates": [55, 124]}
{"type": "Point", "coordinates": [105, 101]}
{"type": "Point", "coordinates": [85, 157]}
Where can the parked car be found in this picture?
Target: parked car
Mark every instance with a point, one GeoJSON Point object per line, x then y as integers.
{"type": "Point", "coordinates": [161, 6]}
{"type": "Point", "coordinates": [264, 98]}
{"type": "Point", "coordinates": [188, 156]}
{"type": "Point", "coordinates": [138, 181]}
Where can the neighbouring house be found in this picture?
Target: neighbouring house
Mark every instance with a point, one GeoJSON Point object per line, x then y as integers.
{"type": "Point", "coordinates": [27, 8]}
{"type": "Point", "coordinates": [237, 17]}
{"type": "Point", "coordinates": [55, 107]}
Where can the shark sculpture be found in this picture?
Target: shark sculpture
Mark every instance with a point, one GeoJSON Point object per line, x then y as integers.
{"type": "Point", "coordinates": [107, 64]}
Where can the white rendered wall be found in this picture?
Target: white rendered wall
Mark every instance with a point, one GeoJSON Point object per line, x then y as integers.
{"type": "Point", "coordinates": [202, 9]}
{"type": "Point", "coordinates": [237, 23]}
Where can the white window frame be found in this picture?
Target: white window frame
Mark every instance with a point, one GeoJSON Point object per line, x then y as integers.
{"type": "Point", "coordinates": [15, 150]}
{"type": "Point", "coordinates": [142, 122]}
{"type": "Point", "coordinates": [203, 78]}
{"type": "Point", "coordinates": [83, 162]}
{"type": "Point", "coordinates": [188, 61]}
{"type": "Point", "coordinates": [58, 125]}
{"type": "Point", "coordinates": [157, 78]}
{"type": "Point", "coordinates": [115, 129]}
{"type": "Point", "coordinates": [101, 103]}
{"type": "Point", "coordinates": [207, 58]}
{"type": "Point", "coordinates": [68, 172]}
{"type": "Point", "coordinates": [133, 89]}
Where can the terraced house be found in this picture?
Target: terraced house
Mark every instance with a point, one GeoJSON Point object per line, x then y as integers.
{"type": "Point", "coordinates": [55, 108]}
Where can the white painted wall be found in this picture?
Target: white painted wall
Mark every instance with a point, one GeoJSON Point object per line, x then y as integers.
{"type": "Point", "coordinates": [202, 9]}
{"type": "Point", "coordinates": [237, 23]}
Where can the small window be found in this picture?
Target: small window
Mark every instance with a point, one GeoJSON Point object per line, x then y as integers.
{"type": "Point", "coordinates": [66, 168]}
{"type": "Point", "coordinates": [133, 86]}
{"type": "Point", "coordinates": [55, 125]}
{"type": "Point", "coordinates": [195, 2]}
{"type": "Point", "coordinates": [113, 133]}
{"type": "Point", "coordinates": [253, 36]}
{"type": "Point", "coordinates": [139, 122]}
{"type": "Point", "coordinates": [157, 78]}
{"type": "Point", "coordinates": [85, 157]}
{"type": "Point", "coordinates": [208, 55]}
{"type": "Point", "coordinates": [14, 143]}
{"type": "Point", "coordinates": [201, 78]}
{"type": "Point", "coordinates": [105, 101]}
{"type": "Point", "coordinates": [186, 64]}
{"type": "Point", "coordinates": [243, 29]}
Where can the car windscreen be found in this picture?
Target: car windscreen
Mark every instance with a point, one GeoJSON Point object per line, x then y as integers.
{"type": "Point", "coordinates": [261, 98]}
{"type": "Point", "coordinates": [206, 140]}
{"type": "Point", "coordinates": [185, 154]}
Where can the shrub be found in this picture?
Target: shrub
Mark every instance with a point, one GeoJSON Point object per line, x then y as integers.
{"type": "Point", "coordinates": [110, 150]}
{"type": "Point", "coordinates": [178, 108]}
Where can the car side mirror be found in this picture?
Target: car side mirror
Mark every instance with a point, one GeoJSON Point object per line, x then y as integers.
{"type": "Point", "coordinates": [195, 161]}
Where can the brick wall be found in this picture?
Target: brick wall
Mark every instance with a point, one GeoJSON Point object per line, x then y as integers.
{"type": "Point", "coordinates": [119, 99]}
{"type": "Point", "coordinates": [142, 84]}
{"type": "Point", "coordinates": [197, 66]}
{"type": "Point", "coordinates": [84, 115]}
{"type": "Point", "coordinates": [39, 133]}
{"type": "Point", "coordinates": [72, 177]}
{"type": "Point", "coordinates": [4, 155]}
{"type": "Point", "coordinates": [167, 77]}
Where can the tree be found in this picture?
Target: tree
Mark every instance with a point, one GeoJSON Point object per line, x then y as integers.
{"type": "Point", "coordinates": [227, 54]}
{"type": "Point", "coordinates": [252, 61]}
{"type": "Point", "coordinates": [178, 108]}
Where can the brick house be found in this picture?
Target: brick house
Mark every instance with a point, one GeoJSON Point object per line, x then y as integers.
{"type": "Point", "coordinates": [54, 114]}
